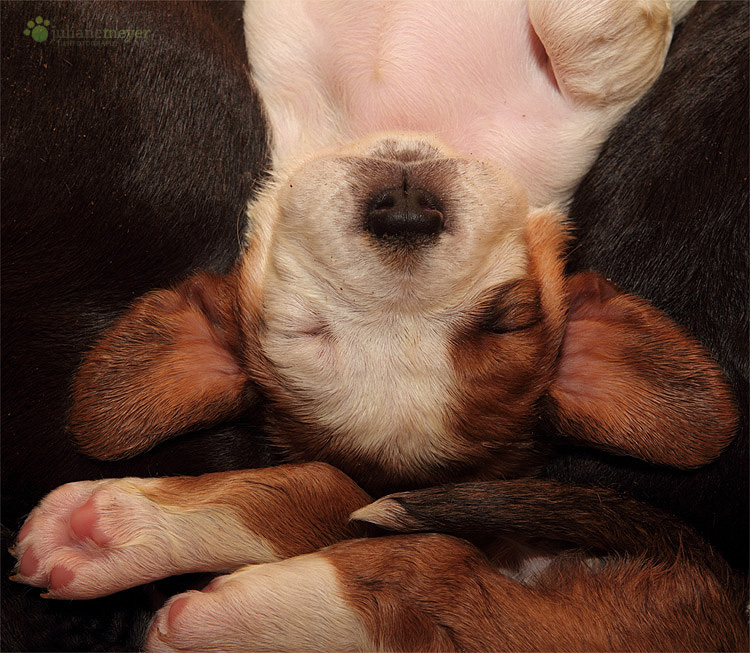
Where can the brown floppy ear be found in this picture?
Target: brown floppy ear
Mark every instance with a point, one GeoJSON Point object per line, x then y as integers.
{"type": "Point", "coordinates": [169, 363]}
{"type": "Point", "coordinates": [632, 381]}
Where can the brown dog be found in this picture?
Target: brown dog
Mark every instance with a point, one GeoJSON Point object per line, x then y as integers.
{"type": "Point", "coordinates": [404, 357]}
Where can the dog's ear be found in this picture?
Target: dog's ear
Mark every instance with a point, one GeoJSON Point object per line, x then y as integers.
{"type": "Point", "coordinates": [632, 381]}
{"type": "Point", "coordinates": [170, 363]}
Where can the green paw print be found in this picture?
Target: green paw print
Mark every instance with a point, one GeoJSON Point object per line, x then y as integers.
{"type": "Point", "coordinates": [37, 29]}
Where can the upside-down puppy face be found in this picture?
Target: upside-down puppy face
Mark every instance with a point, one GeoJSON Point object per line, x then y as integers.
{"type": "Point", "coordinates": [403, 314]}
{"type": "Point", "coordinates": [398, 293]}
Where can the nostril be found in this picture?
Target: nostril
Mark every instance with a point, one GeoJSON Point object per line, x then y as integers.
{"type": "Point", "coordinates": [405, 214]}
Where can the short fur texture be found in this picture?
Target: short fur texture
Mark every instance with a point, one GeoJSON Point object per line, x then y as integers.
{"type": "Point", "coordinates": [718, 517]}
{"type": "Point", "coordinates": [391, 364]}
{"type": "Point", "coordinates": [586, 562]}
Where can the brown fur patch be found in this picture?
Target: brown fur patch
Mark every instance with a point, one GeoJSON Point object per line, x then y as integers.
{"type": "Point", "coordinates": [632, 381]}
{"type": "Point", "coordinates": [296, 508]}
{"type": "Point", "coordinates": [502, 375]}
{"type": "Point", "coordinates": [547, 237]}
{"type": "Point", "coordinates": [434, 592]}
{"type": "Point", "coordinates": [168, 364]}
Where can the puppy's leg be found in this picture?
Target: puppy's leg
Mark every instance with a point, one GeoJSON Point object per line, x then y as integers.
{"type": "Point", "coordinates": [292, 605]}
{"type": "Point", "coordinates": [93, 538]}
{"type": "Point", "coordinates": [439, 593]}
{"type": "Point", "coordinates": [604, 53]}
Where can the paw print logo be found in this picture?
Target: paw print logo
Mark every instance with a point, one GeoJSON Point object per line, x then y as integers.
{"type": "Point", "coordinates": [37, 29]}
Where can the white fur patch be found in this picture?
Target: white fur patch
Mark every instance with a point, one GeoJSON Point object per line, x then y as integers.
{"type": "Point", "coordinates": [147, 540]}
{"type": "Point", "coordinates": [362, 338]}
{"type": "Point", "coordinates": [292, 605]}
{"type": "Point", "coordinates": [473, 73]}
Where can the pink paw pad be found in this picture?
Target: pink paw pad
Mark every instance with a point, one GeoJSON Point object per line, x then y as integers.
{"type": "Point", "coordinates": [60, 577]}
{"type": "Point", "coordinates": [84, 524]}
{"type": "Point", "coordinates": [178, 606]}
{"type": "Point", "coordinates": [29, 564]}
{"type": "Point", "coordinates": [25, 529]}
{"type": "Point", "coordinates": [175, 610]}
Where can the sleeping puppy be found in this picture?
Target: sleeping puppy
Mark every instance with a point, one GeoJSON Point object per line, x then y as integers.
{"type": "Point", "coordinates": [287, 320]}
{"type": "Point", "coordinates": [406, 317]}
{"type": "Point", "coordinates": [209, 299]}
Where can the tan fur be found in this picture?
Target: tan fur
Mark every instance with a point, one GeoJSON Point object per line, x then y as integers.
{"type": "Point", "coordinates": [315, 500]}
{"type": "Point", "coordinates": [138, 530]}
{"type": "Point", "coordinates": [349, 344]}
{"type": "Point", "coordinates": [579, 37]}
{"type": "Point", "coordinates": [293, 605]}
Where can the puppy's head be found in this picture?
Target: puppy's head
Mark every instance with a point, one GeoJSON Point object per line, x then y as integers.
{"type": "Point", "coordinates": [406, 318]}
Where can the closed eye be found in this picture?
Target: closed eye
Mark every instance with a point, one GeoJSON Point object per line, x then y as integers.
{"type": "Point", "coordinates": [512, 306]}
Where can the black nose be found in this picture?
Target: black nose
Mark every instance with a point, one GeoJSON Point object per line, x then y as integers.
{"type": "Point", "coordinates": [406, 214]}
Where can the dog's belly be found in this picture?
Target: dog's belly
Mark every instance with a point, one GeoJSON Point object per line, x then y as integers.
{"type": "Point", "coordinates": [473, 73]}
{"type": "Point", "coordinates": [454, 72]}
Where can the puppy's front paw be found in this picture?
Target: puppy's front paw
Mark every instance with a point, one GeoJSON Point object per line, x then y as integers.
{"type": "Point", "coordinates": [93, 538]}
{"type": "Point", "coordinates": [77, 541]}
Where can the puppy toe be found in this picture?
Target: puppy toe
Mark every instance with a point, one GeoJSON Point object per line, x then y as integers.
{"type": "Point", "coordinates": [29, 564]}
{"type": "Point", "coordinates": [85, 524]}
{"type": "Point", "coordinates": [60, 577]}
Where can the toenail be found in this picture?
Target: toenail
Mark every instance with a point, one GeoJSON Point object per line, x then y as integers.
{"type": "Point", "coordinates": [29, 564]}
{"type": "Point", "coordinates": [59, 577]}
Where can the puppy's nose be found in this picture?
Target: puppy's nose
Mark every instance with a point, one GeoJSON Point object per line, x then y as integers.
{"type": "Point", "coordinates": [404, 213]}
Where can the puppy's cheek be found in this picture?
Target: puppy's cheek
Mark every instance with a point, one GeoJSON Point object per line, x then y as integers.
{"type": "Point", "coordinates": [292, 605]}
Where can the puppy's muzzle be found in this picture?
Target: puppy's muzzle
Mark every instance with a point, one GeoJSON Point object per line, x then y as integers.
{"type": "Point", "coordinates": [404, 215]}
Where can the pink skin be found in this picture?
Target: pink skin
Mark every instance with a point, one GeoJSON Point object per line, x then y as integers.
{"type": "Point", "coordinates": [179, 605]}
{"type": "Point", "coordinates": [83, 523]}
{"type": "Point", "coordinates": [25, 530]}
{"type": "Point", "coordinates": [495, 80]}
{"type": "Point", "coordinates": [29, 564]}
{"type": "Point", "coordinates": [175, 610]}
{"type": "Point", "coordinates": [59, 577]}
{"type": "Point", "coordinates": [83, 526]}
